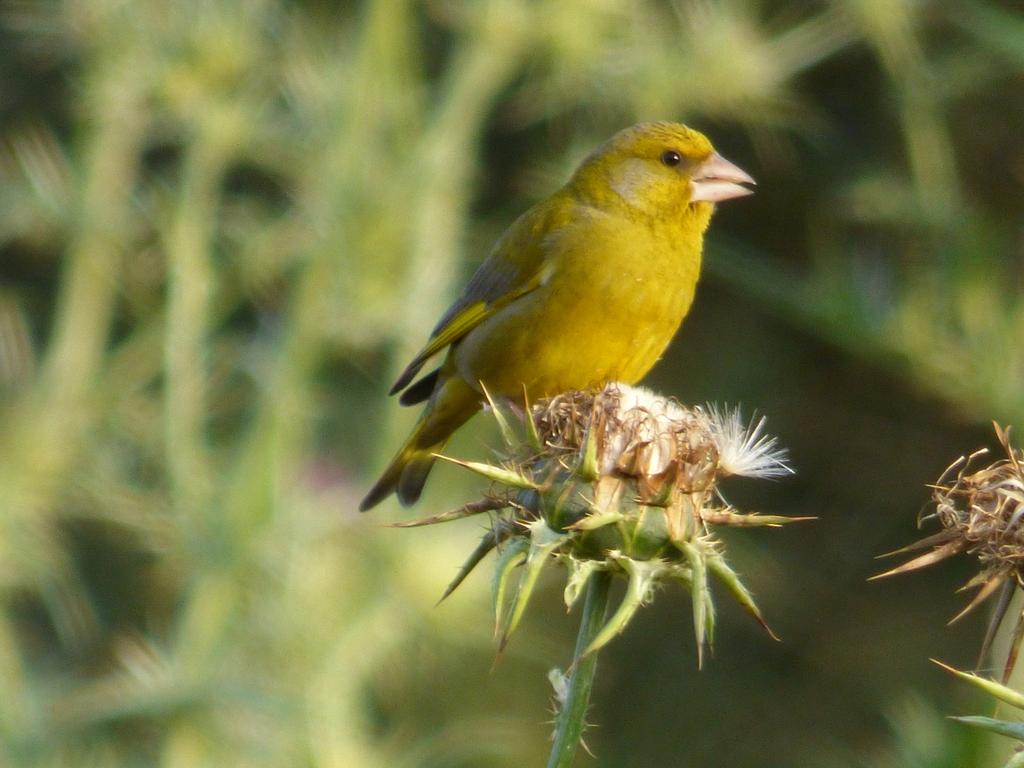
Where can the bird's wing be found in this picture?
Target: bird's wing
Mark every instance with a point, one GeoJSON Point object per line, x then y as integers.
{"type": "Point", "coordinates": [515, 267]}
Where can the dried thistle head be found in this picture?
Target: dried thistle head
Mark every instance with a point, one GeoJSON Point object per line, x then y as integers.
{"type": "Point", "coordinates": [620, 480]}
{"type": "Point", "coordinates": [981, 511]}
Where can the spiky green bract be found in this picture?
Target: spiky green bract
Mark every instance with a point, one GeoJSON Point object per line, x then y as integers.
{"type": "Point", "coordinates": [543, 541]}
{"type": "Point", "coordinates": [1002, 692]}
{"type": "Point", "coordinates": [642, 580]}
{"type": "Point", "coordinates": [619, 481]}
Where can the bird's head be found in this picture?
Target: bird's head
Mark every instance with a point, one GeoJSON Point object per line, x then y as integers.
{"type": "Point", "coordinates": [658, 169]}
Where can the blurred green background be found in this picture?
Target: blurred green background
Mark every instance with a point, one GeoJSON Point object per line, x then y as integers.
{"type": "Point", "coordinates": [225, 225]}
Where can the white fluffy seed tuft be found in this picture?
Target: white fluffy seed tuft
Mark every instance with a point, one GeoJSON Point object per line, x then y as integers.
{"type": "Point", "coordinates": [745, 449]}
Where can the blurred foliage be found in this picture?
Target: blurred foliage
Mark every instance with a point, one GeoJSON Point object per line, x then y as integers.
{"type": "Point", "coordinates": [224, 225]}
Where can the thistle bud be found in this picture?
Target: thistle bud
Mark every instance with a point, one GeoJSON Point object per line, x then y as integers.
{"type": "Point", "coordinates": [619, 480]}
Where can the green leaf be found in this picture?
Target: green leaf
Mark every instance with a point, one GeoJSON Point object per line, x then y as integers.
{"type": "Point", "coordinates": [562, 504]}
{"type": "Point", "coordinates": [579, 572]}
{"type": "Point", "coordinates": [597, 520]}
{"type": "Point", "coordinates": [721, 570]}
{"type": "Point", "coordinates": [700, 595]}
{"type": "Point", "coordinates": [487, 543]}
{"type": "Point", "coordinates": [1002, 727]}
{"type": "Point", "coordinates": [642, 578]}
{"type": "Point", "coordinates": [532, 435]}
{"type": "Point", "coordinates": [650, 535]}
{"type": "Point", "coordinates": [750, 520]}
{"type": "Point", "coordinates": [473, 508]}
{"type": "Point", "coordinates": [497, 474]}
{"type": "Point", "coordinates": [991, 687]}
{"type": "Point", "coordinates": [512, 555]}
{"type": "Point", "coordinates": [498, 410]}
{"type": "Point", "coordinates": [587, 468]}
{"type": "Point", "coordinates": [543, 541]}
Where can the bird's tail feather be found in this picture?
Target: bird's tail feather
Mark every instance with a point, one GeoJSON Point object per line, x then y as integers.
{"type": "Point", "coordinates": [449, 408]}
{"type": "Point", "coordinates": [405, 475]}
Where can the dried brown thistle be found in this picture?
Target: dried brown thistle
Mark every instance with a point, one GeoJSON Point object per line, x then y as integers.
{"type": "Point", "coordinates": [981, 512]}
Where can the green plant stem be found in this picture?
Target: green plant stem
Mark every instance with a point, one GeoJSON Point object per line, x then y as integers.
{"type": "Point", "coordinates": [190, 287]}
{"type": "Point", "coordinates": [572, 714]}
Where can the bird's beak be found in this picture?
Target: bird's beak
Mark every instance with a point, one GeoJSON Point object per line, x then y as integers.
{"type": "Point", "coordinates": [717, 179]}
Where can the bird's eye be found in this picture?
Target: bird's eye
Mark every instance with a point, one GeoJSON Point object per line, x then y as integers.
{"type": "Point", "coordinates": [671, 158]}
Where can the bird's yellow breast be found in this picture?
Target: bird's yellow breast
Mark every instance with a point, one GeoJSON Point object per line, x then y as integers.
{"type": "Point", "coordinates": [614, 293]}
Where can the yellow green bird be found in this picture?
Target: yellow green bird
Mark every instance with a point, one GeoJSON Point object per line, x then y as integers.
{"type": "Point", "coordinates": [585, 288]}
